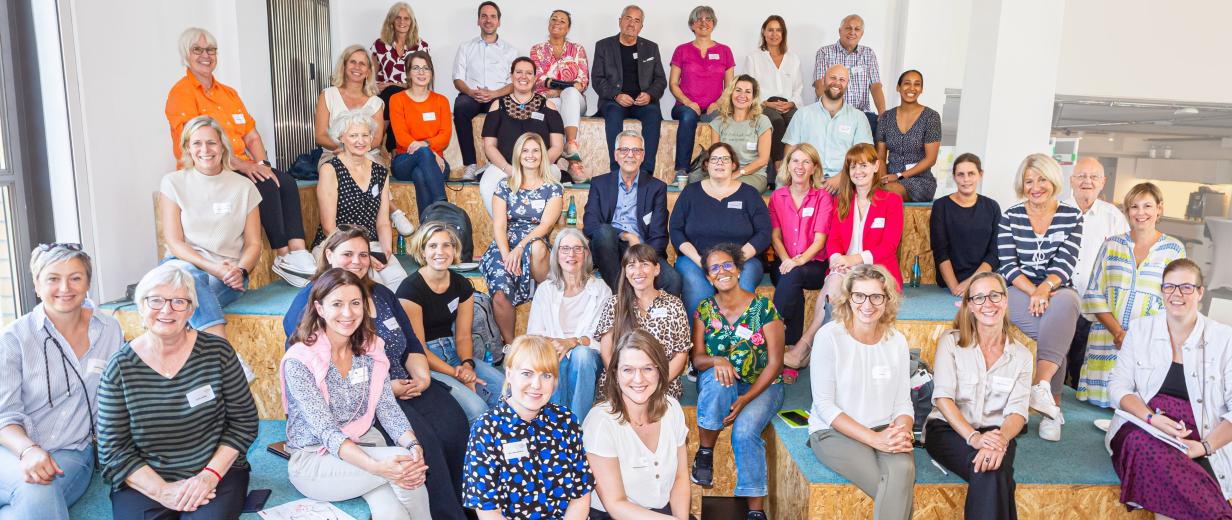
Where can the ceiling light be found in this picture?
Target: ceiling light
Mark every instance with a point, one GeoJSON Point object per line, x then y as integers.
{"type": "Point", "coordinates": [1185, 111]}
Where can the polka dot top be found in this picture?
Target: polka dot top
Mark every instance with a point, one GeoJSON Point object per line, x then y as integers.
{"type": "Point", "coordinates": [356, 205]}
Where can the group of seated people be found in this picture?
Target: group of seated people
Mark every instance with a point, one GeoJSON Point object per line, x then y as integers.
{"type": "Point", "coordinates": [581, 416]}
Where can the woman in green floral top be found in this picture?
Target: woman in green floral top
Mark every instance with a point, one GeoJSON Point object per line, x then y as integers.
{"type": "Point", "coordinates": [738, 348]}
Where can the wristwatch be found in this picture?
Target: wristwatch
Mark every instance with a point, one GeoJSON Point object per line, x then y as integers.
{"type": "Point", "coordinates": [244, 272]}
{"type": "Point", "coordinates": [265, 162]}
{"type": "Point", "coordinates": [898, 175]}
{"type": "Point", "coordinates": [470, 362]}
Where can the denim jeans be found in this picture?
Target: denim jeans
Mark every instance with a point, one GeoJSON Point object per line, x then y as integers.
{"type": "Point", "coordinates": [474, 402]}
{"type": "Point", "coordinates": [686, 134]}
{"type": "Point", "coordinates": [212, 295]}
{"type": "Point", "coordinates": [714, 402]}
{"type": "Point", "coordinates": [614, 117]}
{"type": "Point", "coordinates": [608, 249]}
{"type": "Point", "coordinates": [575, 388]}
{"type": "Point", "coordinates": [697, 286]}
{"type": "Point", "coordinates": [20, 501]}
{"type": "Point", "coordinates": [421, 169]}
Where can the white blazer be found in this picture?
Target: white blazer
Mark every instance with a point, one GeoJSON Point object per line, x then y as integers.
{"type": "Point", "coordinates": [545, 310]}
{"type": "Point", "coordinates": [1144, 360]}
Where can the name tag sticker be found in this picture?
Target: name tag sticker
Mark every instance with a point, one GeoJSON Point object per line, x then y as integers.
{"type": "Point", "coordinates": [376, 191]}
{"type": "Point", "coordinates": [203, 394]}
{"type": "Point", "coordinates": [391, 324]}
{"type": "Point", "coordinates": [222, 208]}
{"type": "Point", "coordinates": [881, 372]}
{"type": "Point", "coordinates": [429, 116]}
{"type": "Point", "coordinates": [878, 223]}
{"type": "Point", "coordinates": [537, 116]}
{"type": "Point", "coordinates": [909, 166]}
{"type": "Point", "coordinates": [358, 375]}
{"type": "Point", "coordinates": [751, 146]}
{"type": "Point", "coordinates": [735, 204]}
{"type": "Point", "coordinates": [453, 305]}
{"type": "Point", "coordinates": [1002, 383]}
{"type": "Point", "coordinates": [856, 70]}
{"type": "Point", "coordinates": [238, 118]}
{"type": "Point", "coordinates": [743, 332]}
{"type": "Point", "coordinates": [515, 450]}
{"type": "Point", "coordinates": [95, 366]}
{"type": "Point", "coordinates": [714, 56]}
{"type": "Point", "coordinates": [635, 55]}
{"type": "Point", "coordinates": [538, 204]}
{"type": "Point", "coordinates": [1057, 236]}
{"type": "Point", "coordinates": [659, 313]}
{"type": "Point", "coordinates": [646, 218]}
{"type": "Point", "coordinates": [845, 129]}
{"type": "Point", "coordinates": [806, 212]}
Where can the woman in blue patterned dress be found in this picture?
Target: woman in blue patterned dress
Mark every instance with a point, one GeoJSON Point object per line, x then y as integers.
{"type": "Point", "coordinates": [524, 211]}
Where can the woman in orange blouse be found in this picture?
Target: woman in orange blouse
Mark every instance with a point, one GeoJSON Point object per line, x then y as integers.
{"type": "Point", "coordinates": [421, 123]}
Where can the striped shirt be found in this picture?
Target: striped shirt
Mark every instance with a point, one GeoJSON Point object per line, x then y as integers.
{"type": "Point", "coordinates": [1024, 253]}
{"type": "Point", "coordinates": [30, 366]}
{"type": "Point", "coordinates": [173, 425]}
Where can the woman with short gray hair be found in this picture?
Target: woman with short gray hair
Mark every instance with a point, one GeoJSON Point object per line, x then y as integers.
{"type": "Point", "coordinates": [353, 190]}
{"type": "Point", "coordinates": [565, 310]}
{"type": "Point", "coordinates": [51, 359]}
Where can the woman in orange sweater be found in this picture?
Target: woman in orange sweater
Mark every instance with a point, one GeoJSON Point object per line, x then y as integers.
{"type": "Point", "coordinates": [421, 123]}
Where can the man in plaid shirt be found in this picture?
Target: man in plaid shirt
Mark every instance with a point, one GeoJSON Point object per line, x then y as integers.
{"type": "Point", "coordinates": [861, 63]}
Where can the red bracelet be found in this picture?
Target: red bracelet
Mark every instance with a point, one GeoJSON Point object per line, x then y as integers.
{"type": "Point", "coordinates": [215, 473]}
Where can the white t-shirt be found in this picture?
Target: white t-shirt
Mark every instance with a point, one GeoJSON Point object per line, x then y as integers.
{"type": "Point", "coordinates": [869, 383]}
{"type": "Point", "coordinates": [213, 209]}
{"type": "Point", "coordinates": [648, 476]}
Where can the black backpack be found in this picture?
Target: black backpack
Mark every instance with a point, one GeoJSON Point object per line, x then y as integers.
{"type": "Point", "coordinates": [457, 220]}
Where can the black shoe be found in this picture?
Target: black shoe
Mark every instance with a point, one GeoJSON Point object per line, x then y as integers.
{"type": "Point", "coordinates": [756, 515]}
{"type": "Point", "coordinates": [703, 468]}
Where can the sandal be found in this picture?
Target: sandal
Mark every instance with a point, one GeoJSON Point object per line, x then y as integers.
{"type": "Point", "coordinates": [574, 156]}
{"type": "Point", "coordinates": [791, 367]}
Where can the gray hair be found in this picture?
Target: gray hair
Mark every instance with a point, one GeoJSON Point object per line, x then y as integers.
{"type": "Point", "coordinates": [189, 37]}
{"type": "Point", "coordinates": [630, 133]}
{"type": "Point", "coordinates": [339, 124]}
{"type": "Point", "coordinates": [625, 11]}
{"type": "Point", "coordinates": [588, 264]}
{"type": "Point", "coordinates": [197, 123]}
{"type": "Point", "coordinates": [700, 11]}
{"type": "Point", "coordinates": [48, 254]}
{"type": "Point", "coordinates": [169, 275]}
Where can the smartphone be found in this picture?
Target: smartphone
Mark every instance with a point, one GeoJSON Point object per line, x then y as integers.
{"type": "Point", "coordinates": [279, 449]}
{"type": "Point", "coordinates": [795, 418]}
{"type": "Point", "coordinates": [256, 500]}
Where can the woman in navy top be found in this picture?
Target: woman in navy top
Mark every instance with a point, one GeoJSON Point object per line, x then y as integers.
{"type": "Point", "coordinates": [436, 417]}
{"type": "Point", "coordinates": [717, 210]}
{"type": "Point", "coordinates": [963, 229]}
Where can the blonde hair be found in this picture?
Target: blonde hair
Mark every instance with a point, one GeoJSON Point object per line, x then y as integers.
{"type": "Point", "coordinates": [198, 123]}
{"type": "Point", "coordinates": [545, 172]}
{"type": "Point", "coordinates": [783, 179]}
{"type": "Point", "coordinates": [727, 109]}
{"type": "Point", "coordinates": [190, 37]}
{"type": "Point", "coordinates": [1140, 189]}
{"type": "Point", "coordinates": [1042, 164]}
{"type": "Point", "coordinates": [419, 241]}
{"type": "Point", "coordinates": [387, 28]}
{"type": "Point", "coordinates": [965, 322]}
{"type": "Point", "coordinates": [842, 306]}
{"type": "Point", "coordinates": [339, 78]}
{"type": "Point", "coordinates": [536, 351]}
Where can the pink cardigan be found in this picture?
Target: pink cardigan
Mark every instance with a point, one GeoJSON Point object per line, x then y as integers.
{"type": "Point", "coordinates": [317, 358]}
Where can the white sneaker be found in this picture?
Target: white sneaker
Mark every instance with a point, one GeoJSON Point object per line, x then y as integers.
{"type": "Point", "coordinates": [1050, 429]}
{"type": "Point", "coordinates": [295, 279]}
{"type": "Point", "coordinates": [401, 223]}
{"type": "Point", "coordinates": [299, 262]}
{"type": "Point", "coordinates": [1041, 400]}
{"type": "Point", "coordinates": [471, 173]}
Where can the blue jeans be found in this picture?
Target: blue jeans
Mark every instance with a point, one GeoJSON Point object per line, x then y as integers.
{"type": "Point", "coordinates": [575, 388]}
{"type": "Point", "coordinates": [21, 501]}
{"type": "Point", "coordinates": [614, 117]}
{"type": "Point", "coordinates": [212, 295]}
{"type": "Point", "coordinates": [421, 169]}
{"type": "Point", "coordinates": [714, 402]}
{"type": "Point", "coordinates": [474, 402]}
{"type": "Point", "coordinates": [697, 286]}
{"type": "Point", "coordinates": [686, 133]}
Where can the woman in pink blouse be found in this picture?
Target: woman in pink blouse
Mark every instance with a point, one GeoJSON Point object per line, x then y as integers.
{"type": "Point", "coordinates": [561, 76]}
{"type": "Point", "coordinates": [399, 37]}
{"type": "Point", "coordinates": [701, 70]}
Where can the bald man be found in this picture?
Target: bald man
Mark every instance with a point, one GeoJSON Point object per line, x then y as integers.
{"type": "Point", "coordinates": [831, 125]}
{"type": "Point", "coordinates": [1100, 220]}
{"type": "Point", "coordinates": [865, 93]}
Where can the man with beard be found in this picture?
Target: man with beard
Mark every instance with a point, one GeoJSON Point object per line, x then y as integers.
{"type": "Point", "coordinates": [481, 74]}
{"type": "Point", "coordinates": [831, 125]}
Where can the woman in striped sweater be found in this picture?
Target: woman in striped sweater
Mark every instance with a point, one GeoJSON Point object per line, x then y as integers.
{"type": "Point", "coordinates": [175, 415]}
{"type": "Point", "coordinates": [1037, 244]}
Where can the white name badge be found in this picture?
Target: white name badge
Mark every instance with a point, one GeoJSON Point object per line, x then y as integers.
{"type": "Point", "coordinates": [222, 208]}
{"type": "Point", "coordinates": [806, 212]}
{"type": "Point", "coordinates": [453, 305]}
{"type": "Point", "coordinates": [743, 332]}
{"type": "Point", "coordinates": [376, 191]}
{"type": "Point", "coordinates": [844, 129]}
{"type": "Point", "coordinates": [646, 218]}
{"type": "Point", "coordinates": [538, 204]}
{"type": "Point", "coordinates": [204, 394]}
{"type": "Point", "coordinates": [429, 116]}
{"type": "Point", "coordinates": [881, 372]}
{"type": "Point", "coordinates": [659, 313]}
{"type": "Point", "coordinates": [635, 55]}
{"type": "Point", "coordinates": [537, 116]}
{"type": "Point", "coordinates": [909, 166]}
{"type": "Point", "coordinates": [735, 204]}
{"type": "Point", "coordinates": [95, 366]}
{"type": "Point", "coordinates": [1057, 236]}
{"type": "Point", "coordinates": [751, 146]}
{"type": "Point", "coordinates": [856, 70]}
{"type": "Point", "coordinates": [1002, 383]}
{"type": "Point", "coordinates": [878, 223]}
{"type": "Point", "coordinates": [515, 450]}
{"type": "Point", "coordinates": [238, 118]}
{"type": "Point", "coordinates": [391, 324]}
{"type": "Point", "coordinates": [714, 56]}
{"type": "Point", "coordinates": [358, 375]}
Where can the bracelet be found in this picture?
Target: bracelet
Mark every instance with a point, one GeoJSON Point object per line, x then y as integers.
{"type": "Point", "coordinates": [1206, 446]}
{"type": "Point", "coordinates": [470, 362]}
{"type": "Point", "coordinates": [970, 436]}
{"type": "Point", "coordinates": [22, 455]}
{"type": "Point", "coordinates": [211, 470]}
{"type": "Point", "coordinates": [1149, 416]}
{"type": "Point", "coordinates": [411, 445]}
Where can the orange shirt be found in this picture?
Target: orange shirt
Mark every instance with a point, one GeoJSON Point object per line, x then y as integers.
{"type": "Point", "coordinates": [414, 121]}
{"type": "Point", "coordinates": [189, 99]}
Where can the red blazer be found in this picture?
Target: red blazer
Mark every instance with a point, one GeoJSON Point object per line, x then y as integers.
{"type": "Point", "coordinates": [883, 230]}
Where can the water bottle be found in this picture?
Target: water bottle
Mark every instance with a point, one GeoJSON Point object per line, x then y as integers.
{"type": "Point", "coordinates": [571, 215]}
{"type": "Point", "coordinates": [400, 248]}
{"type": "Point", "coordinates": [915, 272]}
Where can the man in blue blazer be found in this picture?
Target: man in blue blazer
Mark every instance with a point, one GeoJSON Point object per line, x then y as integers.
{"type": "Point", "coordinates": [627, 74]}
{"type": "Point", "coordinates": [626, 207]}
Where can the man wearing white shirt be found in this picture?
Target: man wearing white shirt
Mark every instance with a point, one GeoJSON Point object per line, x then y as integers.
{"type": "Point", "coordinates": [481, 75]}
{"type": "Point", "coordinates": [1100, 220]}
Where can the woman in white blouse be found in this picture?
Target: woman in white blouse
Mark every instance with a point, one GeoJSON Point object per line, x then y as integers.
{"type": "Point", "coordinates": [982, 385]}
{"type": "Point", "coordinates": [636, 440]}
{"type": "Point", "coordinates": [778, 72]}
{"type": "Point", "coordinates": [565, 310]}
{"type": "Point", "coordinates": [1174, 373]}
{"type": "Point", "coordinates": [861, 418]}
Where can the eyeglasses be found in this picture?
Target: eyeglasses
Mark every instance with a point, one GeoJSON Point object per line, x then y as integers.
{"type": "Point", "coordinates": [720, 159]}
{"type": "Point", "coordinates": [877, 299]}
{"type": "Point", "coordinates": [417, 68]}
{"type": "Point", "coordinates": [571, 250]}
{"type": "Point", "coordinates": [1088, 177]}
{"type": "Point", "coordinates": [725, 266]}
{"type": "Point", "coordinates": [979, 299]}
{"type": "Point", "coordinates": [71, 246]}
{"type": "Point", "coordinates": [177, 304]}
{"type": "Point", "coordinates": [629, 151]}
{"type": "Point", "coordinates": [197, 51]}
{"type": "Point", "coordinates": [1186, 288]}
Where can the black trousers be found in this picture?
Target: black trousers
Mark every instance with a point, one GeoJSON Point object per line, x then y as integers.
{"type": "Point", "coordinates": [386, 95]}
{"type": "Point", "coordinates": [608, 249]}
{"type": "Point", "coordinates": [440, 425]}
{"type": "Point", "coordinates": [1077, 352]}
{"type": "Point", "coordinates": [130, 504]}
{"type": "Point", "coordinates": [778, 127]}
{"type": "Point", "coordinates": [990, 494]}
{"type": "Point", "coordinates": [596, 514]}
{"type": "Point", "coordinates": [281, 216]}
{"type": "Point", "coordinates": [465, 108]}
{"type": "Point", "coordinates": [789, 294]}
